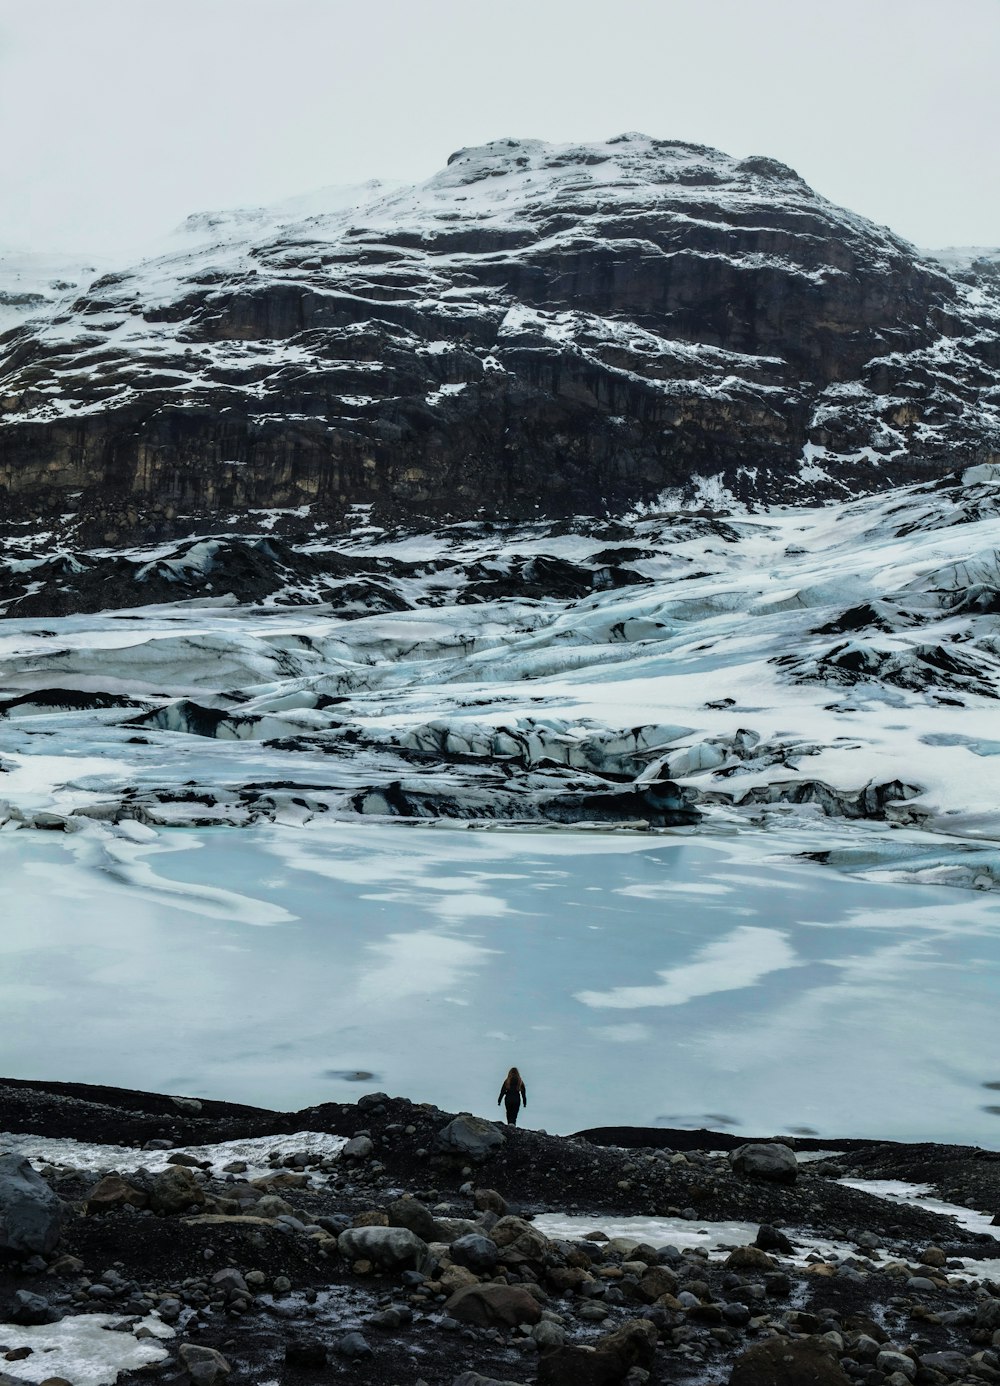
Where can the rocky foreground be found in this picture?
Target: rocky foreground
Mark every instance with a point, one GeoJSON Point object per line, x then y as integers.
{"type": "Point", "coordinates": [409, 1253]}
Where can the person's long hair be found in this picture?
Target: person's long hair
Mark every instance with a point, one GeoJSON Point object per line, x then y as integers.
{"type": "Point", "coordinates": [512, 1083]}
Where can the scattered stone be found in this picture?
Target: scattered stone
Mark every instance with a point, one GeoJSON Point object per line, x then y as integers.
{"type": "Point", "coordinates": [358, 1148]}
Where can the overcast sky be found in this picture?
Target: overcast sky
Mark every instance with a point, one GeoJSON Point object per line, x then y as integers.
{"type": "Point", "coordinates": [119, 117]}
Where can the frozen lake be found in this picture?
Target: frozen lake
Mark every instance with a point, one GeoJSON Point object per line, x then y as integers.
{"type": "Point", "coordinates": [684, 980]}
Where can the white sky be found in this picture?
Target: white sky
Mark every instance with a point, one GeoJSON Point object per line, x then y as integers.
{"type": "Point", "coordinates": [119, 117]}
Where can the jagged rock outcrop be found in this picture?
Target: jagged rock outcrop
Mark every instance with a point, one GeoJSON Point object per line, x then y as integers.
{"type": "Point", "coordinates": [537, 328]}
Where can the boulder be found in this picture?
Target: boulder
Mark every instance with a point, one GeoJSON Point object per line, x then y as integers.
{"type": "Point", "coordinates": [115, 1192]}
{"type": "Point", "coordinates": [175, 1190]}
{"type": "Point", "coordinates": [770, 1239]}
{"type": "Point", "coordinates": [471, 1136]}
{"type": "Point", "coordinates": [489, 1201]}
{"type": "Point", "coordinates": [488, 1306]}
{"type": "Point", "coordinates": [231, 1281]}
{"type": "Point", "coordinates": [477, 1253]}
{"type": "Point", "coordinates": [203, 1364]}
{"type": "Point", "coordinates": [358, 1148]}
{"type": "Point", "coordinates": [773, 1162]}
{"type": "Point", "coordinates": [519, 1241]}
{"type": "Point", "coordinates": [272, 1206]}
{"type": "Point", "coordinates": [353, 1346]}
{"type": "Point", "coordinates": [657, 1281]}
{"type": "Point", "coordinates": [607, 1363]}
{"type": "Point", "coordinates": [33, 1309]}
{"type": "Point", "coordinates": [389, 1248]}
{"type": "Point", "coordinates": [748, 1258]}
{"type": "Point", "coordinates": [778, 1362]}
{"type": "Point", "coordinates": [888, 1362]}
{"type": "Point", "coordinates": [411, 1213]}
{"type": "Point", "coordinates": [30, 1212]}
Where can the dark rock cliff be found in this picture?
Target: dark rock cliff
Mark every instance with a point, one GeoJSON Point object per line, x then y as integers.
{"type": "Point", "coordinates": [536, 329]}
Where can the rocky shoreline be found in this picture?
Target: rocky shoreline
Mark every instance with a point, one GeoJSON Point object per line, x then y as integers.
{"type": "Point", "coordinates": [387, 1241]}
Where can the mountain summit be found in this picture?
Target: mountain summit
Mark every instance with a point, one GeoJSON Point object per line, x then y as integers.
{"type": "Point", "coordinates": [536, 329]}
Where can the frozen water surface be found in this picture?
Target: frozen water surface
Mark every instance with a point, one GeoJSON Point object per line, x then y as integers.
{"type": "Point", "coordinates": [635, 978]}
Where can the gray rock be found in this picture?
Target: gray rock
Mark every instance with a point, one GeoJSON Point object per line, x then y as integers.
{"type": "Point", "coordinates": [175, 1190]}
{"type": "Point", "coordinates": [187, 1104]}
{"type": "Point", "coordinates": [32, 1309]}
{"type": "Point", "coordinates": [950, 1364]}
{"type": "Point", "coordinates": [203, 1364]}
{"type": "Point", "coordinates": [411, 1213]}
{"type": "Point", "coordinates": [889, 1362]}
{"type": "Point", "coordinates": [352, 1345]}
{"type": "Point", "coordinates": [488, 1305]}
{"type": "Point", "coordinates": [272, 1206]}
{"type": "Point", "coordinates": [476, 1253]}
{"type": "Point", "coordinates": [30, 1212]}
{"type": "Point", "coordinates": [548, 1335]}
{"type": "Point", "coordinates": [358, 1148]}
{"type": "Point", "coordinates": [770, 1239]}
{"type": "Point", "coordinates": [920, 1282]}
{"type": "Point", "coordinates": [489, 1201]}
{"type": "Point", "coordinates": [471, 1136]}
{"type": "Point", "coordinates": [390, 1248]}
{"type": "Point", "coordinates": [773, 1162]}
{"type": "Point", "coordinates": [987, 1318]}
{"type": "Point", "coordinates": [231, 1281]}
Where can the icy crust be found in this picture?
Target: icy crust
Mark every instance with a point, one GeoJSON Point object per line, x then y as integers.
{"type": "Point", "coordinates": [86, 1349]}
{"type": "Point", "coordinates": [378, 315]}
{"type": "Point", "coordinates": [663, 670]}
{"type": "Point", "coordinates": [97, 1158]}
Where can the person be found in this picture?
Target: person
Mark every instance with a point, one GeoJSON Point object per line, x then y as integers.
{"type": "Point", "coordinates": [512, 1094]}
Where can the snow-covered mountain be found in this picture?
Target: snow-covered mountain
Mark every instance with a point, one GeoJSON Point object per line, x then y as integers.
{"type": "Point", "coordinates": [536, 330]}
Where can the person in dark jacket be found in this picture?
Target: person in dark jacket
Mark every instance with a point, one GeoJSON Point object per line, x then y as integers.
{"type": "Point", "coordinates": [512, 1094]}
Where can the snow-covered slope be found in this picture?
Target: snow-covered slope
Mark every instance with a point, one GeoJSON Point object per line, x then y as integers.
{"type": "Point", "coordinates": [537, 329]}
{"type": "Point", "coordinates": [660, 669]}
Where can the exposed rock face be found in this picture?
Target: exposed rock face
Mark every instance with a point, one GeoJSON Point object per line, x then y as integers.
{"type": "Point", "coordinates": [536, 328]}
